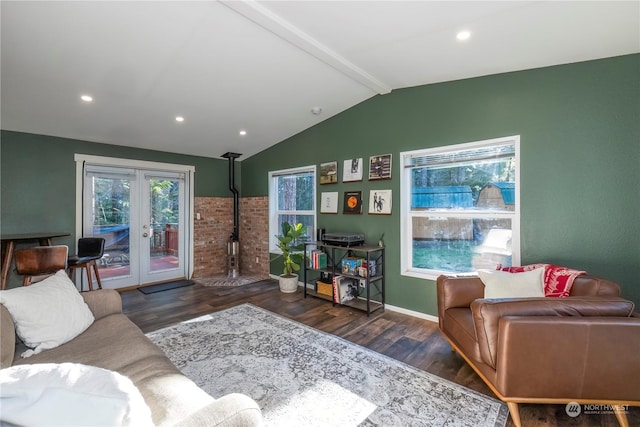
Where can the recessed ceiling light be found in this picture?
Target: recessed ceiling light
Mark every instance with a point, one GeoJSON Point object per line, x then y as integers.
{"type": "Point", "coordinates": [86, 98]}
{"type": "Point", "coordinates": [242, 132]}
{"type": "Point", "coordinates": [463, 35]}
{"type": "Point", "coordinates": [316, 111]}
{"type": "Point", "coordinates": [179, 119]}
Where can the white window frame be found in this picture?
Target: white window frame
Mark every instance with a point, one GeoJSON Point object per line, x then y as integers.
{"type": "Point", "coordinates": [406, 222]}
{"type": "Point", "coordinates": [273, 203]}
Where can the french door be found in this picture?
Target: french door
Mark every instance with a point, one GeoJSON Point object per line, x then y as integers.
{"type": "Point", "coordinates": [162, 240]}
{"type": "Point", "coordinates": [143, 216]}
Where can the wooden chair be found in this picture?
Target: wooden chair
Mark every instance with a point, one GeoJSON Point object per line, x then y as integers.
{"type": "Point", "coordinates": [90, 249]}
{"type": "Point", "coordinates": [40, 261]}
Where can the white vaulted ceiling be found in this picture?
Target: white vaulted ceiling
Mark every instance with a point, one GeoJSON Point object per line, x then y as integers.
{"type": "Point", "coordinates": [262, 66]}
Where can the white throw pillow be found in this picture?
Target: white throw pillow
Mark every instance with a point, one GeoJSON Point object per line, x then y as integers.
{"type": "Point", "coordinates": [501, 284]}
{"type": "Point", "coordinates": [70, 394]}
{"type": "Point", "coordinates": [48, 313]}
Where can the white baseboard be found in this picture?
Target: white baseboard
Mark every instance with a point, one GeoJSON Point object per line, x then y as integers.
{"type": "Point", "coordinates": [417, 314]}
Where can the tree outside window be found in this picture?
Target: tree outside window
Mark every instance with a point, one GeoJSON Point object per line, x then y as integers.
{"type": "Point", "coordinates": [292, 199]}
{"type": "Point", "coordinates": [460, 208]}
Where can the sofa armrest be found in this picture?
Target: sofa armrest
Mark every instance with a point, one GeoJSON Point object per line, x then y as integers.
{"type": "Point", "coordinates": [454, 292]}
{"type": "Point", "coordinates": [7, 338]}
{"type": "Point", "coordinates": [569, 357]}
{"type": "Point", "coordinates": [103, 302]}
{"type": "Point", "coordinates": [228, 411]}
{"type": "Point", "coordinates": [488, 312]}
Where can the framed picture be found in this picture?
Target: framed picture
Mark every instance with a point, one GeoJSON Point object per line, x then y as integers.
{"type": "Point", "coordinates": [352, 170]}
{"type": "Point", "coordinates": [380, 167]}
{"type": "Point", "coordinates": [329, 173]}
{"type": "Point", "coordinates": [329, 202]}
{"type": "Point", "coordinates": [352, 202]}
{"type": "Point", "coordinates": [380, 202]}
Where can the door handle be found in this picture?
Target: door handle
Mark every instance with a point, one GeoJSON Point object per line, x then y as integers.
{"type": "Point", "coordinates": [145, 234]}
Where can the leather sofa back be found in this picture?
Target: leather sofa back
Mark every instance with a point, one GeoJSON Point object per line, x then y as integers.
{"type": "Point", "coordinates": [594, 286]}
{"type": "Point", "coordinates": [456, 292]}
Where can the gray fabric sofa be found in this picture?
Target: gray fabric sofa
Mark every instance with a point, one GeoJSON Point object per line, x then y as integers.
{"type": "Point", "coordinates": [114, 342]}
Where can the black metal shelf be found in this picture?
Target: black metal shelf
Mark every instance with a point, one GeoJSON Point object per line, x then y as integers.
{"type": "Point", "coordinates": [370, 297]}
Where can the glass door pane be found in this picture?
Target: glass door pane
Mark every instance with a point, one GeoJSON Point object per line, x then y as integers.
{"type": "Point", "coordinates": [162, 232]}
{"type": "Point", "coordinates": [108, 215]}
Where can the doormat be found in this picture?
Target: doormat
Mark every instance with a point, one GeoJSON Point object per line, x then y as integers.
{"type": "Point", "coordinates": [229, 281]}
{"type": "Point", "coordinates": [165, 286]}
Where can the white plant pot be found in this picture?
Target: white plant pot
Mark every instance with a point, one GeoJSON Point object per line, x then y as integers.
{"type": "Point", "coordinates": [288, 284]}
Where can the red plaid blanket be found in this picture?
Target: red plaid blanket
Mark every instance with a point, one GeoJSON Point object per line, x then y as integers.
{"type": "Point", "coordinates": [557, 280]}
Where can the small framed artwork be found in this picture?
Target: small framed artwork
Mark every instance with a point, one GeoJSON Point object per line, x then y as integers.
{"type": "Point", "coordinates": [380, 202]}
{"type": "Point", "coordinates": [380, 167]}
{"type": "Point", "coordinates": [352, 202]}
{"type": "Point", "coordinates": [329, 173]}
{"type": "Point", "coordinates": [352, 170]}
{"type": "Point", "coordinates": [329, 202]}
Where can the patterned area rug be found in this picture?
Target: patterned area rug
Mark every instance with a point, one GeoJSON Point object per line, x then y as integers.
{"type": "Point", "coordinates": [228, 281]}
{"type": "Point", "coordinates": [304, 377]}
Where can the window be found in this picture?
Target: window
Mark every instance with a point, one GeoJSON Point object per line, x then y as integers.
{"type": "Point", "coordinates": [292, 199]}
{"type": "Point", "coordinates": [460, 208]}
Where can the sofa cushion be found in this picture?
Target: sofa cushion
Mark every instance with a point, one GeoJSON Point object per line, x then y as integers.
{"type": "Point", "coordinates": [488, 312]}
{"type": "Point", "coordinates": [558, 280]}
{"type": "Point", "coordinates": [70, 394]}
{"type": "Point", "coordinates": [115, 343]}
{"type": "Point", "coordinates": [500, 284]}
{"type": "Point", "coordinates": [459, 328]}
{"type": "Point", "coordinates": [48, 313]}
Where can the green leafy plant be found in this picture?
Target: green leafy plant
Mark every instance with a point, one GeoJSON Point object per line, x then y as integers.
{"type": "Point", "coordinates": [291, 247]}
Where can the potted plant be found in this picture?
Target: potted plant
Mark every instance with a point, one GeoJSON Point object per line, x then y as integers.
{"type": "Point", "coordinates": [292, 254]}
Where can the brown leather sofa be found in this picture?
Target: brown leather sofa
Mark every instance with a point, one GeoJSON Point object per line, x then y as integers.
{"type": "Point", "coordinates": [584, 348]}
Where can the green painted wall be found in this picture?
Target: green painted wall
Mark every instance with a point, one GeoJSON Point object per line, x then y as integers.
{"type": "Point", "coordinates": [580, 162]}
{"type": "Point", "coordinates": [37, 179]}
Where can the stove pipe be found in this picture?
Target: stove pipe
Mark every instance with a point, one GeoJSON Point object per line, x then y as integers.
{"type": "Point", "coordinates": [233, 246]}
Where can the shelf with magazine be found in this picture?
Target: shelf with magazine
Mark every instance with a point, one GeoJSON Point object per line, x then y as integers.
{"type": "Point", "coordinates": [351, 276]}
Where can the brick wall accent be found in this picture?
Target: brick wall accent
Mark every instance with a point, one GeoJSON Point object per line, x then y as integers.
{"type": "Point", "coordinates": [210, 234]}
{"type": "Point", "coordinates": [254, 236]}
{"type": "Point", "coordinates": [212, 231]}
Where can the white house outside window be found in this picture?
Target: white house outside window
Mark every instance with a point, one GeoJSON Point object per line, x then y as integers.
{"type": "Point", "coordinates": [292, 199]}
{"type": "Point", "coordinates": [460, 208]}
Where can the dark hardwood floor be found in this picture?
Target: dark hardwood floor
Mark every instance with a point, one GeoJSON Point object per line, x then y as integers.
{"type": "Point", "coordinates": [411, 340]}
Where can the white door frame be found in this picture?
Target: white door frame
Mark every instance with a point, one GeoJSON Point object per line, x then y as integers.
{"type": "Point", "coordinates": [188, 170]}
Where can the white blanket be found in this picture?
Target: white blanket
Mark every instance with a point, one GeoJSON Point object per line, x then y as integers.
{"type": "Point", "coordinates": [69, 394]}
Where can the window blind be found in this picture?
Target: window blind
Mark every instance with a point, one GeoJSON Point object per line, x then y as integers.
{"type": "Point", "coordinates": [458, 157]}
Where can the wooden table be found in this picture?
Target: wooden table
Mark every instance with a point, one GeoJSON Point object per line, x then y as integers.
{"type": "Point", "coordinates": [10, 240]}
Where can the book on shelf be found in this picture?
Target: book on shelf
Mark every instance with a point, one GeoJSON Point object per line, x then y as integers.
{"type": "Point", "coordinates": [348, 289]}
{"type": "Point", "coordinates": [345, 289]}
{"type": "Point", "coordinates": [322, 260]}
{"type": "Point", "coordinates": [317, 259]}
{"type": "Point", "coordinates": [336, 288]}
{"type": "Point", "coordinates": [350, 265]}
